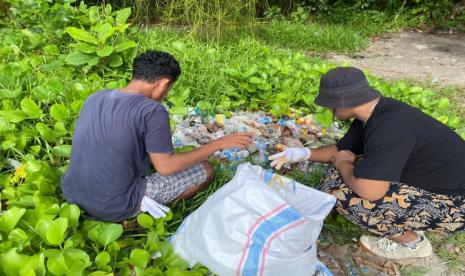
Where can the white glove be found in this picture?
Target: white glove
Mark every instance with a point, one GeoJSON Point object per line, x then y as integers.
{"type": "Point", "coordinates": [290, 155]}
{"type": "Point", "coordinates": [154, 208]}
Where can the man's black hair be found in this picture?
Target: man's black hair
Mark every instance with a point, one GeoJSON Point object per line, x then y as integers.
{"type": "Point", "coordinates": [154, 65]}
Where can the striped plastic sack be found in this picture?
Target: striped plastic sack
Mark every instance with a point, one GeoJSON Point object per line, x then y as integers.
{"type": "Point", "coordinates": [259, 223]}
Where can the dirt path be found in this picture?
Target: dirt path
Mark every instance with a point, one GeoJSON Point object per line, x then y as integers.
{"type": "Point", "coordinates": [437, 59]}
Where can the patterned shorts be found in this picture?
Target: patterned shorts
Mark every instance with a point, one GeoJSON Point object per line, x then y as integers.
{"type": "Point", "coordinates": [165, 189]}
{"type": "Point", "coordinates": [402, 208]}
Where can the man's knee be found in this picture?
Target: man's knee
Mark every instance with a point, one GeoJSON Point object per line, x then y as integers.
{"type": "Point", "coordinates": [210, 171]}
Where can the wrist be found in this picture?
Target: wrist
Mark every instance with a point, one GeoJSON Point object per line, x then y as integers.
{"type": "Point", "coordinates": [214, 146]}
{"type": "Point", "coordinates": [342, 162]}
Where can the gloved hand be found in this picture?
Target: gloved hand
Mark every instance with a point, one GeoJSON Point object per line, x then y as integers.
{"type": "Point", "coordinates": [154, 208]}
{"type": "Point", "coordinates": [290, 155]}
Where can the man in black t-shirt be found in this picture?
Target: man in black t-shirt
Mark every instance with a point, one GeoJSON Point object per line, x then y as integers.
{"type": "Point", "coordinates": [410, 176]}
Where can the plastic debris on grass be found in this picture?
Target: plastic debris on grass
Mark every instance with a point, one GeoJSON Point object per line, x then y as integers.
{"type": "Point", "coordinates": [271, 134]}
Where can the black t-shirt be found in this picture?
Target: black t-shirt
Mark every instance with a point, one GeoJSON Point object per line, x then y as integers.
{"type": "Point", "coordinates": [109, 156]}
{"type": "Point", "coordinates": [400, 143]}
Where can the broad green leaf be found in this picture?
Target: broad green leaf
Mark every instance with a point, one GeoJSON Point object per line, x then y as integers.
{"type": "Point", "coordinates": [81, 35]}
{"type": "Point", "coordinates": [443, 104]}
{"type": "Point", "coordinates": [139, 257]}
{"type": "Point", "coordinates": [5, 125]}
{"type": "Point", "coordinates": [42, 92]}
{"type": "Point", "coordinates": [93, 231]}
{"type": "Point", "coordinates": [204, 105]}
{"type": "Point", "coordinates": [56, 232]}
{"type": "Point", "coordinates": [9, 94]}
{"type": "Point", "coordinates": [13, 116]}
{"type": "Point", "coordinates": [62, 151]}
{"type": "Point", "coordinates": [179, 46]}
{"type": "Point", "coordinates": [178, 110]}
{"type": "Point", "coordinates": [12, 261]}
{"type": "Point", "coordinates": [73, 255]}
{"type": "Point", "coordinates": [72, 213]}
{"type": "Point", "coordinates": [52, 50]}
{"type": "Point", "coordinates": [251, 71]}
{"type": "Point", "coordinates": [59, 129]}
{"type": "Point", "coordinates": [31, 108]}
{"type": "Point", "coordinates": [152, 241]}
{"type": "Point", "coordinates": [10, 218]}
{"type": "Point", "coordinates": [453, 122]}
{"type": "Point", "coordinates": [94, 61]}
{"type": "Point", "coordinates": [256, 80]}
{"type": "Point", "coordinates": [102, 259]}
{"type": "Point", "coordinates": [122, 28]}
{"type": "Point", "coordinates": [59, 111]}
{"type": "Point", "coordinates": [77, 268]}
{"type": "Point", "coordinates": [8, 144]}
{"type": "Point", "coordinates": [86, 47]}
{"type": "Point", "coordinates": [122, 15]}
{"type": "Point", "coordinates": [44, 131]}
{"type": "Point", "coordinates": [18, 235]}
{"type": "Point", "coordinates": [115, 60]}
{"type": "Point", "coordinates": [443, 119]}
{"type": "Point", "coordinates": [102, 273]}
{"type": "Point", "coordinates": [104, 31]}
{"type": "Point", "coordinates": [181, 272]}
{"type": "Point", "coordinates": [125, 44]}
{"type": "Point", "coordinates": [79, 58]}
{"type": "Point", "coordinates": [56, 264]}
{"type": "Point", "coordinates": [153, 271]}
{"type": "Point", "coordinates": [171, 259]}
{"type": "Point", "coordinates": [109, 233]}
{"type": "Point", "coordinates": [105, 51]}
{"type": "Point", "coordinates": [145, 220]}
{"type": "Point", "coordinates": [36, 264]}
{"type": "Point", "coordinates": [52, 231]}
{"type": "Point", "coordinates": [76, 106]}
{"type": "Point", "coordinates": [108, 9]}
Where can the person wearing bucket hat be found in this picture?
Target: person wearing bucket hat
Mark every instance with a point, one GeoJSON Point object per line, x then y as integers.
{"type": "Point", "coordinates": [397, 172]}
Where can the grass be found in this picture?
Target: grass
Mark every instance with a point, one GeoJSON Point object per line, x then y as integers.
{"type": "Point", "coordinates": [450, 248]}
{"type": "Point", "coordinates": [339, 31]}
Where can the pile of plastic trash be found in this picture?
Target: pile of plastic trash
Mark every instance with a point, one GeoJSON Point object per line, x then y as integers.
{"type": "Point", "coordinates": [271, 134]}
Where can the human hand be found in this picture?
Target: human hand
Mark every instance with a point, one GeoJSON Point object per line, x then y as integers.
{"type": "Point", "coordinates": [235, 140]}
{"type": "Point", "coordinates": [290, 155]}
{"type": "Point", "coordinates": [344, 156]}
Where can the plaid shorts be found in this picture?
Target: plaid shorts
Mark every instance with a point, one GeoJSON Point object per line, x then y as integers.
{"type": "Point", "coordinates": [164, 189]}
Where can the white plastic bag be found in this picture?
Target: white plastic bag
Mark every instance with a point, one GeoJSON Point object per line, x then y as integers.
{"type": "Point", "coordinates": [259, 223]}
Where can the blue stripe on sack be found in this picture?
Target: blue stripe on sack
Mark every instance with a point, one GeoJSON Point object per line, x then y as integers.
{"type": "Point", "coordinates": [262, 234]}
{"type": "Point", "coordinates": [268, 176]}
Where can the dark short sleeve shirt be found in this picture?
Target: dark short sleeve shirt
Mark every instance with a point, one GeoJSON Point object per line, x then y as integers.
{"type": "Point", "coordinates": [109, 158]}
{"type": "Point", "coordinates": [400, 143]}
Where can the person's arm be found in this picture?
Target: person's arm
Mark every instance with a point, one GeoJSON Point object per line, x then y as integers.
{"type": "Point", "coordinates": [365, 188]}
{"type": "Point", "coordinates": [324, 154]}
{"type": "Point", "coordinates": [169, 163]}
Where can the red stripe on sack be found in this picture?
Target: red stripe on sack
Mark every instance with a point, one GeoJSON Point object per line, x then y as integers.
{"type": "Point", "coordinates": [253, 228]}
{"type": "Point", "coordinates": [275, 235]}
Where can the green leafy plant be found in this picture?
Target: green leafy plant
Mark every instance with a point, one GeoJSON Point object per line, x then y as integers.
{"type": "Point", "coordinates": [104, 44]}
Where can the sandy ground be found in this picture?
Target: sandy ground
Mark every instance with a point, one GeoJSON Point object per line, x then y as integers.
{"type": "Point", "coordinates": [437, 59]}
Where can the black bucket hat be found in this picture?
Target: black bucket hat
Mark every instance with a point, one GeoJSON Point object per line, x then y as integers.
{"type": "Point", "coordinates": [344, 87]}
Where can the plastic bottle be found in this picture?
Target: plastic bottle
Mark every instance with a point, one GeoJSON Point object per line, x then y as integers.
{"type": "Point", "coordinates": [265, 120]}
